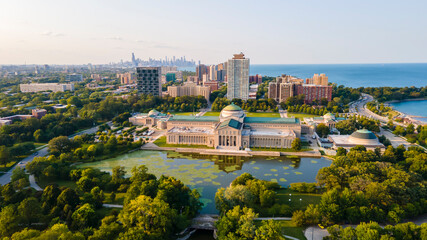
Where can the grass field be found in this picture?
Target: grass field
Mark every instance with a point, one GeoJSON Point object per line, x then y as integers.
{"type": "Point", "coordinates": [120, 197]}
{"type": "Point", "coordinates": [262, 114]}
{"type": "Point", "coordinates": [301, 115]}
{"type": "Point", "coordinates": [61, 183]}
{"type": "Point", "coordinates": [183, 113]}
{"type": "Point", "coordinates": [304, 149]}
{"type": "Point", "coordinates": [214, 114]}
{"type": "Point", "coordinates": [306, 198]}
{"type": "Point", "coordinates": [290, 229]}
{"type": "Point", "coordinates": [161, 142]}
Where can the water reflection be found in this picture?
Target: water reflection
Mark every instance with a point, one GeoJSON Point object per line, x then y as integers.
{"type": "Point", "coordinates": [207, 173]}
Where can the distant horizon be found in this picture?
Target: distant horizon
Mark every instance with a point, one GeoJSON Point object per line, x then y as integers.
{"type": "Point", "coordinates": [269, 32]}
{"type": "Point", "coordinates": [78, 64]}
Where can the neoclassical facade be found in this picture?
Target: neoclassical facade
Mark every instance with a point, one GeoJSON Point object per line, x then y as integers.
{"type": "Point", "coordinates": [233, 130]}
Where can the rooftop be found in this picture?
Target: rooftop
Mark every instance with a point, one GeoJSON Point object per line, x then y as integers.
{"type": "Point", "coordinates": [231, 123]}
{"type": "Point", "coordinates": [271, 120]}
{"type": "Point", "coordinates": [232, 107]}
{"type": "Point", "coordinates": [194, 118]}
{"type": "Point", "coordinates": [191, 130]}
{"type": "Point", "coordinates": [364, 134]}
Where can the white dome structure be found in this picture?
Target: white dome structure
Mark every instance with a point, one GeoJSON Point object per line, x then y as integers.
{"type": "Point", "coordinates": [363, 137]}
{"type": "Point", "coordinates": [232, 111]}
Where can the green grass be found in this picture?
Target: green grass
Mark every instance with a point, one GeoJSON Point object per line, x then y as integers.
{"type": "Point", "coordinates": [61, 183]}
{"type": "Point", "coordinates": [304, 149]}
{"type": "Point", "coordinates": [290, 229]}
{"type": "Point", "coordinates": [120, 197]}
{"type": "Point", "coordinates": [7, 167]}
{"type": "Point", "coordinates": [214, 114]}
{"type": "Point", "coordinates": [161, 142]}
{"type": "Point", "coordinates": [301, 115]}
{"type": "Point", "coordinates": [184, 113]}
{"type": "Point", "coordinates": [262, 114]}
{"type": "Point", "coordinates": [296, 203]}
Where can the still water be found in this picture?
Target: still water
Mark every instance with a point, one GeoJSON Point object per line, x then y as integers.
{"type": "Point", "coordinates": [208, 173]}
{"type": "Point", "coordinates": [414, 108]}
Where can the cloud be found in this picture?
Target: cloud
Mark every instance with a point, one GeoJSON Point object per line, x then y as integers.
{"type": "Point", "coordinates": [117, 38]}
{"type": "Point", "coordinates": [52, 34]}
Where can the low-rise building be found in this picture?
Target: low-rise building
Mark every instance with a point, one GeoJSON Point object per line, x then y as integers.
{"type": "Point", "coordinates": [189, 89]}
{"type": "Point", "coordinates": [38, 113]}
{"type": "Point", "coordinates": [41, 87]}
{"type": "Point", "coordinates": [362, 137]}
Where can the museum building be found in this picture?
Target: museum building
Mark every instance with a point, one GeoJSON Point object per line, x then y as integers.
{"type": "Point", "coordinates": [233, 130]}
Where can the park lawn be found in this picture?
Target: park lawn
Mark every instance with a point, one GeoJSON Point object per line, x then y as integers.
{"type": "Point", "coordinates": [301, 115]}
{"type": "Point", "coordinates": [304, 149]}
{"type": "Point", "coordinates": [296, 203]}
{"type": "Point", "coordinates": [288, 228]}
{"type": "Point", "coordinates": [161, 142]}
{"type": "Point", "coordinates": [6, 168]}
{"type": "Point", "coordinates": [211, 114]}
{"type": "Point", "coordinates": [262, 114]}
{"type": "Point", "coordinates": [183, 113]}
{"type": "Point", "coordinates": [103, 212]}
{"type": "Point", "coordinates": [61, 183]}
{"type": "Point", "coordinates": [120, 197]}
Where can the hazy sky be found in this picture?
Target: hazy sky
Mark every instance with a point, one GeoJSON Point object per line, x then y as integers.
{"type": "Point", "coordinates": [269, 32]}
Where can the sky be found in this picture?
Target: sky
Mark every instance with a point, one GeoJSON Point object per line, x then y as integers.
{"type": "Point", "coordinates": [267, 31]}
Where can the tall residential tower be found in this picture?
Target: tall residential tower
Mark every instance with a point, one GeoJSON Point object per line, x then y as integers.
{"type": "Point", "coordinates": [148, 79]}
{"type": "Point", "coordinates": [238, 77]}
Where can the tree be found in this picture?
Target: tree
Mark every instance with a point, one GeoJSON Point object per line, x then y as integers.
{"type": "Point", "coordinates": [84, 217]}
{"type": "Point", "coordinates": [29, 210]}
{"type": "Point", "coordinates": [296, 144]}
{"type": "Point", "coordinates": [4, 155]}
{"type": "Point", "coordinates": [109, 229]}
{"type": "Point", "coordinates": [237, 223]}
{"type": "Point", "coordinates": [68, 197]}
{"type": "Point", "coordinates": [60, 145]}
{"type": "Point", "coordinates": [341, 151]}
{"type": "Point", "coordinates": [269, 230]}
{"type": "Point", "coordinates": [322, 130]}
{"type": "Point", "coordinates": [154, 216]}
{"type": "Point", "coordinates": [8, 221]}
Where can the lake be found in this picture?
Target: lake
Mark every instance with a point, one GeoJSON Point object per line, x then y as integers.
{"type": "Point", "coordinates": [350, 75]}
{"type": "Point", "coordinates": [414, 108]}
{"type": "Point", "coordinates": [208, 173]}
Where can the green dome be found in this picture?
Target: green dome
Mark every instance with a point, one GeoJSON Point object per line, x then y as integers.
{"type": "Point", "coordinates": [232, 107]}
{"type": "Point", "coordinates": [363, 134]}
{"type": "Point", "coordinates": [153, 112]}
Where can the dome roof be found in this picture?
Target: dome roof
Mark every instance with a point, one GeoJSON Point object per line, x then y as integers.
{"type": "Point", "coordinates": [231, 111]}
{"type": "Point", "coordinates": [153, 112]}
{"type": "Point", "coordinates": [363, 134]}
{"type": "Point", "coordinates": [329, 116]}
{"type": "Point", "coordinates": [232, 107]}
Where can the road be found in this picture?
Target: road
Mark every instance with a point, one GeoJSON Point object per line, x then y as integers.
{"type": "Point", "coordinates": [5, 178]}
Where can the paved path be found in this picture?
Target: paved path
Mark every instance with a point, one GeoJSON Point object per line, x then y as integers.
{"type": "Point", "coordinates": [34, 184]}
{"type": "Point", "coordinates": [274, 218]}
{"type": "Point", "coordinates": [5, 178]}
{"type": "Point", "coordinates": [112, 205]}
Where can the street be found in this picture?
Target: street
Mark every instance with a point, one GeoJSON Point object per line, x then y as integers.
{"type": "Point", "coordinates": [5, 178]}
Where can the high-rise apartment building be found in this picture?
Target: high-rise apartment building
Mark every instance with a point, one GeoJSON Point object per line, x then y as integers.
{"type": "Point", "coordinates": [238, 77]}
{"type": "Point", "coordinates": [148, 80]}
{"type": "Point", "coordinates": [201, 70]}
{"type": "Point", "coordinates": [317, 79]}
{"type": "Point", "coordinates": [126, 78]}
{"type": "Point", "coordinates": [257, 79]}
{"type": "Point", "coordinates": [288, 86]}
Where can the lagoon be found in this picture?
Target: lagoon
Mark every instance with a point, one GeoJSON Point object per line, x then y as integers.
{"type": "Point", "coordinates": [208, 173]}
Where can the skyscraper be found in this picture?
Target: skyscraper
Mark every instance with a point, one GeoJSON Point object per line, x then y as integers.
{"type": "Point", "coordinates": [148, 79]}
{"type": "Point", "coordinates": [134, 60]}
{"type": "Point", "coordinates": [238, 77]}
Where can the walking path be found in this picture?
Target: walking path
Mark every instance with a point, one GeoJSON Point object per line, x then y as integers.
{"type": "Point", "coordinates": [5, 179]}
{"type": "Point", "coordinates": [112, 205]}
{"type": "Point", "coordinates": [34, 184]}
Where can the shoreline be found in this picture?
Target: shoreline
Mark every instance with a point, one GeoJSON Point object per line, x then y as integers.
{"type": "Point", "coordinates": [411, 117]}
{"type": "Point", "coordinates": [405, 100]}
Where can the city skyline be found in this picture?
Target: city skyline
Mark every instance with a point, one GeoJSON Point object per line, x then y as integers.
{"type": "Point", "coordinates": [273, 32]}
